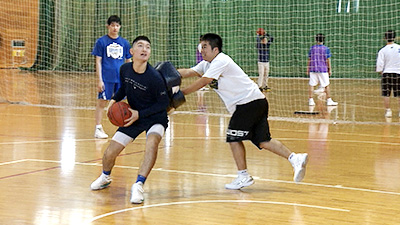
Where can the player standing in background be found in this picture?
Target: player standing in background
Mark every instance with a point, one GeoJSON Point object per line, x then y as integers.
{"type": "Point", "coordinates": [146, 93]}
{"type": "Point", "coordinates": [200, 93]}
{"type": "Point", "coordinates": [248, 104]}
{"type": "Point", "coordinates": [111, 52]}
{"type": "Point", "coordinates": [264, 40]}
{"type": "Point", "coordinates": [319, 69]}
{"type": "Point", "coordinates": [388, 65]}
{"type": "Point", "coordinates": [199, 58]}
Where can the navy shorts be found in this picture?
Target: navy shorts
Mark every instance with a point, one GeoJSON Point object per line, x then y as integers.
{"type": "Point", "coordinates": [141, 125]}
{"type": "Point", "coordinates": [110, 88]}
{"type": "Point", "coordinates": [249, 122]}
{"type": "Point", "coordinates": [390, 81]}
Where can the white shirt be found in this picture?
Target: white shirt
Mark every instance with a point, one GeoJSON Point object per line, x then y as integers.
{"type": "Point", "coordinates": [234, 85]}
{"type": "Point", "coordinates": [388, 60]}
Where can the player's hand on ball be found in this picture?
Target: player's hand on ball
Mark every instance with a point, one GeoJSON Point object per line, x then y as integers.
{"type": "Point", "coordinates": [132, 119]}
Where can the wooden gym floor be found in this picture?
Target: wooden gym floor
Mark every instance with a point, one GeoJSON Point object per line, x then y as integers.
{"type": "Point", "coordinates": [48, 159]}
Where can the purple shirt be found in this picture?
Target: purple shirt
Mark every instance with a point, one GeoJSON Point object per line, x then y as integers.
{"type": "Point", "coordinates": [199, 58]}
{"type": "Point", "coordinates": [318, 55]}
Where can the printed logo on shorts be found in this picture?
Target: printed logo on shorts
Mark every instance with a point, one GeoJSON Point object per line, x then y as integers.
{"type": "Point", "coordinates": [115, 51]}
{"type": "Point", "coordinates": [214, 84]}
{"type": "Point", "coordinates": [237, 133]}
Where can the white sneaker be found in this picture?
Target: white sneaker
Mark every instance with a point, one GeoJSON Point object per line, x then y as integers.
{"type": "Point", "coordinates": [99, 133]}
{"type": "Point", "coordinates": [330, 102]}
{"type": "Point", "coordinates": [388, 113]}
{"type": "Point", "coordinates": [137, 193]}
{"type": "Point", "coordinates": [239, 182]}
{"type": "Point", "coordinates": [102, 182]}
{"type": "Point", "coordinates": [311, 102]}
{"type": "Point", "coordinates": [299, 163]}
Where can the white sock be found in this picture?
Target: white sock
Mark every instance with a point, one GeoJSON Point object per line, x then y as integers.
{"type": "Point", "coordinates": [243, 173]}
{"type": "Point", "coordinates": [99, 126]}
{"type": "Point", "coordinates": [290, 156]}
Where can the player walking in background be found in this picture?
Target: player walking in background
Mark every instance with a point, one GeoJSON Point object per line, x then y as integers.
{"type": "Point", "coordinates": [388, 65]}
{"type": "Point", "coordinates": [147, 96]}
{"type": "Point", "coordinates": [263, 42]}
{"type": "Point", "coordinates": [319, 69]}
{"type": "Point", "coordinates": [111, 52]}
{"type": "Point", "coordinates": [248, 104]}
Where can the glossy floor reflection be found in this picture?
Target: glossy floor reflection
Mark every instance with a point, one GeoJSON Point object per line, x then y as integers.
{"type": "Point", "coordinates": [48, 159]}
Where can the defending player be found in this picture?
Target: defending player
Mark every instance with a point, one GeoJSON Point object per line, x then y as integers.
{"type": "Point", "coordinates": [111, 52]}
{"type": "Point", "coordinates": [243, 98]}
{"type": "Point", "coordinates": [147, 96]}
{"type": "Point", "coordinates": [388, 65]}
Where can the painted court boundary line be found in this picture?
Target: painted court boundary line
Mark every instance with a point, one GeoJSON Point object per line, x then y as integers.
{"type": "Point", "coordinates": [210, 138]}
{"type": "Point", "coordinates": [205, 174]}
{"type": "Point", "coordinates": [216, 201]}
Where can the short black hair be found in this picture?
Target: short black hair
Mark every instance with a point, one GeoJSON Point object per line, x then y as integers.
{"type": "Point", "coordinates": [319, 38]}
{"type": "Point", "coordinates": [214, 39]}
{"type": "Point", "coordinates": [390, 35]}
{"type": "Point", "coordinates": [114, 18]}
{"type": "Point", "coordinates": [138, 38]}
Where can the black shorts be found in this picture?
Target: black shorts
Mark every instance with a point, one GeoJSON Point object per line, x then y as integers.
{"type": "Point", "coordinates": [390, 81]}
{"type": "Point", "coordinates": [141, 125]}
{"type": "Point", "coordinates": [249, 122]}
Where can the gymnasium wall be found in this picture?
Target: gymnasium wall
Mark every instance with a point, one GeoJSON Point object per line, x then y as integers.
{"type": "Point", "coordinates": [18, 32]}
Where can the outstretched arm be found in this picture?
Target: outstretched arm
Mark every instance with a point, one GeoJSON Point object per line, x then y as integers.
{"type": "Point", "coordinates": [188, 73]}
{"type": "Point", "coordinates": [196, 85]}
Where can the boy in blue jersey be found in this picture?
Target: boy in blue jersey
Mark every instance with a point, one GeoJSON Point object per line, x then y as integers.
{"type": "Point", "coordinates": [147, 96]}
{"type": "Point", "coordinates": [111, 52]}
{"type": "Point", "coordinates": [319, 69]}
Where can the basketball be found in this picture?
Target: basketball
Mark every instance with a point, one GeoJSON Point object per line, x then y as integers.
{"type": "Point", "coordinates": [260, 31]}
{"type": "Point", "coordinates": [119, 112]}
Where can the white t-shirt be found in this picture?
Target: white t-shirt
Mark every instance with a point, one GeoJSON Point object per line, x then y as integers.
{"type": "Point", "coordinates": [234, 85]}
{"type": "Point", "coordinates": [388, 60]}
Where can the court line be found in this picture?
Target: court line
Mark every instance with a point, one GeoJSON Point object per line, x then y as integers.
{"type": "Point", "coordinates": [12, 162]}
{"type": "Point", "coordinates": [54, 167]}
{"type": "Point", "coordinates": [202, 174]}
{"type": "Point", "coordinates": [216, 201]}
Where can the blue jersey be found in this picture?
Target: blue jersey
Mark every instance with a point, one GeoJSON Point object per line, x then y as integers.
{"type": "Point", "coordinates": [113, 53]}
{"type": "Point", "coordinates": [146, 93]}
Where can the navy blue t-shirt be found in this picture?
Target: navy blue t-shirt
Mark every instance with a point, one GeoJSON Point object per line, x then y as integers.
{"type": "Point", "coordinates": [145, 93]}
{"type": "Point", "coordinates": [263, 49]}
